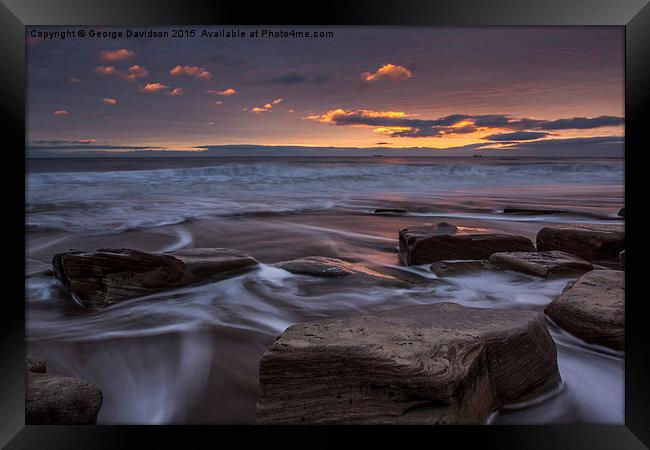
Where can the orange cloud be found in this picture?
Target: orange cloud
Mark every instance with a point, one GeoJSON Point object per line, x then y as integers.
{"type": "Point", "coordinates": [176, 91]}
{"type": "Point", "coordinates": [106, 70]}
{"type": "Point", "coordinates": [229, 91]}
{"type": "Point", "coordinates": [192, 71]}
{"type": "Point", "coordinates": [336, 115]}
{"type": "Point", "coordinates": [60, 112]}
{"type": "Point", "coordinates": [154, 87]}
{"type": "Point", "coordinates": [259, 110]}
{"type": "Point", "coordinates": [387, 72]}
{"type": "Point", "coordinates": [117, 55]}
{"type": "Point", "coordinates": [135, 72]}
{"type": "Point", "coordinates": [86, 141]}
{"type": "Point", "coordinates": [109, 101]}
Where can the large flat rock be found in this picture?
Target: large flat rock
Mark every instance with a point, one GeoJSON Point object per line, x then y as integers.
{"type": "Point", "coordinates": [421, 364]}
{"type": "Point", "coordinates": [592, 242]}
{"type": "Point", "coordinates": [106, 276]}
{"type": "Point", "coordinates": [57, 400]}
{"type": "Point", "coordinates": [428, 244]}
{"type": "Point", "coordinates": [593, 308]}
{"type": "Point", "coordinates": [542, 264]}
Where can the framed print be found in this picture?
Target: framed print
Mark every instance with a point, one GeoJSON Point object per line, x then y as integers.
{"type": "Point", "coordinates": [397, 220]}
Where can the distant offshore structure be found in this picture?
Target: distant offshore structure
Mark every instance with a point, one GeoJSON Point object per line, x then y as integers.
{"type": "Point", "coordinates": [377, 155]}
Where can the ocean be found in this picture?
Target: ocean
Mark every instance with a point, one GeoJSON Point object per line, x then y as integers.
{"type": "Point", "coordinates": [191, 355]}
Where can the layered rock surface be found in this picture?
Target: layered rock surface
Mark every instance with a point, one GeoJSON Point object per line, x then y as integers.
{"type": "Point", "coordinates": [542, 264]}
{"type": "Point", "coordinates": [591, 242]}
{"type": "Point", "coordinates": [460, 267]}
{"type": "Point", "coordinates": [593, 308]}
{"type": "Point", "coordinates": [428, 244]}
{"type": "Point", "coordinates": [106, 276]}
{"type": "Point", "coordinates": [421, 364]}
{"type": "Point", "coordinates": [57, 400]}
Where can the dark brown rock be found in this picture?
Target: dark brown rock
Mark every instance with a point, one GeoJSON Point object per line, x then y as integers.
{"type": "Point", "coordinates": [460, 267]}
{"type": "Point", "coordinates": [57, 400]}
{"type": "Point", "coordinates": [421, 364]}
{"type": "Point", "coordinates": [324, 267]}
{"type": "Point", "coordinates": [428, 244]}
{"type": "Point", "coordinates": [97, 279]}
{"type": "Point", "coordinates": [542, 264]}
{"type": "Point", "coordinates": [592, 242]}
{"type": "Point", "coordinates": [622, 212]}
{"type": "Point", "coordinates": [593, 308]}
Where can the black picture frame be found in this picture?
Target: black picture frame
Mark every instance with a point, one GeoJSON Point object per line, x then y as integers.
{"type": "Point", "coordinates": [634, 15]}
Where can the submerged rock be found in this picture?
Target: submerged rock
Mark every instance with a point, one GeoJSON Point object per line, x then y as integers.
{"type": "Point", "coordinates": [421, 364]}
{"type": "Point", "coordinates": [390, 211]}
{"type": "Point", "coordinates": [531, 211]}
{"type": "Point", "coordinates": [106, 276]}
{"type": "Point", "coordinates": [36, 365]}
{"type": "Point", "coordinates": [57, 400]}
{"type": "Point", "coordinates": [542, 264]}
{"type": "Point", "coordinates": [593, 308]}
{"type": "Point", "coordinates": [460, 267]}
{"type": "Point", "coordinates": [592, 242]}
{"type": "Point", "coordinates": [324, 267]}
{"type": "Point", "coordinates": [428, 244]}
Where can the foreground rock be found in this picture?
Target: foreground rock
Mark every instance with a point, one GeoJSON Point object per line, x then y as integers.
{"type": "Point", "coordinates": [622, 212]}
{"type": "Point", "coordinates": [621, 259]}
{"type": "Point", "coordinates": [592, 242]}
{"type": "Point", "coordinates": [593, 308]}
{"type": "Point", "coordinates": [57, 400]}
{"type": "Point", "coordinates": [420, 364]}
{"type": "Point", "coordinates": [98, 279]}
{"type": "Point", "coordinates": [542, 264]}
{"type": "Point", "coordinates": [428, 244]}
{"type": "Point", "coordinates": [460, 267]}
{"type": "Point", "coordinates": [324, 267]}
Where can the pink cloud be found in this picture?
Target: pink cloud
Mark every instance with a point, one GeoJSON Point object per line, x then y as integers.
{"type": "Point", "coordinates": [109, 101]}
{"type": "Point", "coordinates": [86, 141]}
{"type": "Point", "coordinates": [117, 55]}
{"type": "Point", "coordinates": [60, 112]}
{"type": "Point", "coordinates": [226, 92]}
{"type": "Point", "coordinates": [176, 91]}
{"type": "Point", "coordinates": [192, 71]}
{"type": "Point", "coordinates": [154, 87]}
{"type": "Point", "coordinates": [106, 70]}
{"type": "Point", "coordinates": [387, 72]}
{"type": "Point", "coordinates": [135, 72]}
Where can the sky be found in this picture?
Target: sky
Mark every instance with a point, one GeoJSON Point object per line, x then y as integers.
{"type": "Point", "coordinates": [525, 90]}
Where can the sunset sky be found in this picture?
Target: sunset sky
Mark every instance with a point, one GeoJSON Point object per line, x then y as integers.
{"type": "Point", "coordinates": [494, 88]}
